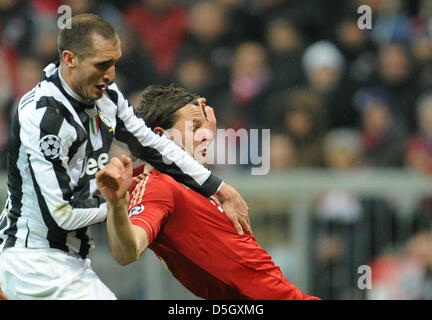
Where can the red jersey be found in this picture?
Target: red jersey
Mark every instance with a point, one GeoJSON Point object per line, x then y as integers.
{"type": "Point", "coordinates": [197, 242]}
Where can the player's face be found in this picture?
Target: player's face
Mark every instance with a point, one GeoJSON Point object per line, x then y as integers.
{"type": "Point", "coordinates": [94, 73]}
{"type": "Point", "coordinates": [189, 127]}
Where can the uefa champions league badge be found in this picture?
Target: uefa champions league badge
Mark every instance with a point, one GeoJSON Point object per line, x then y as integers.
{"type": "Point", "coordinates": [136, 210]}
{"type": "Point", "coordinates": [49, 145]}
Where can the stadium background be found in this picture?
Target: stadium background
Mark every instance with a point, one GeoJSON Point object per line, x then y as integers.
{"type": "Point", "coordinates": [350, 113]}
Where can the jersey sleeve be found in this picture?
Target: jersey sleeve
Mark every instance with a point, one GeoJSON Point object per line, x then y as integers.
{"type": "Point", "coordinates": [150, 204]}
{"type": "Point", "coordinates": [159, 151]}
{"type": "Point", "coordinates": [46, 138]}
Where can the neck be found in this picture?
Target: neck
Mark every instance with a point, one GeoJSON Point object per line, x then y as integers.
{"type": "Point", "coordinates": [147, 166]}
{"type": "Point", "coordinates": [67, 84]}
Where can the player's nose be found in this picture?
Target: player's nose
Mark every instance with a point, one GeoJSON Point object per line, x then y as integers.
{"type": "Point", "coordinates": [109, 75]}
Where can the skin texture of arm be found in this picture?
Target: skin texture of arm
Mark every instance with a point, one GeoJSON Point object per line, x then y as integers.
{"type": "Point", "coordinates": [127, 242]}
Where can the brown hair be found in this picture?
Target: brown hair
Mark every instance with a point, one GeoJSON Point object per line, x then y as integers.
{"type": "Point", "coordinates": [78, 38]}
{"type": "Point", "coordinates": [158, 104]}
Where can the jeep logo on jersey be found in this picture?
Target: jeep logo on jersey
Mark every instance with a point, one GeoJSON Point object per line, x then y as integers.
{"type": "Point", "coordinates": [136, 210]}
{"type": "Point", "coordinates": [92, 166]}
{"type": "Point", "coordinates": [49, 145]}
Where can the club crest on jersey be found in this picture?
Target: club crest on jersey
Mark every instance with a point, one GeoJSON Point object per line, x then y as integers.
{"type": "Point", "coordinates": [49, 145]}
{"type": "Point", "coordinates": [105, 119]}
{"type": "Point", "coordinates": [136, 210]}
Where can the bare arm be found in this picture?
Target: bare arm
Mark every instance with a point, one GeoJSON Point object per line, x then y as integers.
{"type": "Point", "coordinates": [127, 242]}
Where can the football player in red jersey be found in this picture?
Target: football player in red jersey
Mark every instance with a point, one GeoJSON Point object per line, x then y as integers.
{"type": "Point", "coordinates": [187, 231]}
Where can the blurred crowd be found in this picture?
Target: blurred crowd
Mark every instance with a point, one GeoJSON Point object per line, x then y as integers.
{"type": "Point", "coordinates": [334, 96]}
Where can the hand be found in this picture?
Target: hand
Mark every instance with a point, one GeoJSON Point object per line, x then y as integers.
{"type": "Point", "coordinates": [115, 179]}
{"type": "Point", "coordinates": [210, 123]}
{"type": "Point", "coordinates": [235, 208]}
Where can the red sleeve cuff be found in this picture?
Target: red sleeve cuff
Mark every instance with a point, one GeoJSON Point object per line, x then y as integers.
{"type": "Point", "coordinates": [141, 222]}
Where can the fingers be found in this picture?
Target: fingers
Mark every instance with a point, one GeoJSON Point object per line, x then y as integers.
{"type": "Point", "coordinates": [201, 101]}
{"type": "Point", "coordinates": [106, 178]}
{"type": "Point", "coordinates": [211, 119]}
{"type": "Point", "coordinates": [115, 162]}
{"type": "Point", "coordinates": [115, 179]}
{"type": "Point", "coordinates": [107, 172]}
{"type": "Point", "coordinates": [245, 223]}
{"type": "Point", "coordinates": [210, 115]}
{"type": "Point", "coordinates": [235, 208]}
{"type": "Point", "coordinates": [208, 111]}
{"type": "Point", "coordinates": [242, 217]}
{"type": "Point", "coordinates": [113, 171]}
{"type": "Point", "coordinates": [233, 218]}
{"type": "Point", "coordinates": [116, 166]}
{"type": "Point", "coordinates": [127, 164]}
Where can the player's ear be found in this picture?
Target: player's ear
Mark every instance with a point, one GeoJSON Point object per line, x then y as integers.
{"type": "Point", "coordinates": [158, 130]}
{"type": "Point", "coordinates": [69, 58]}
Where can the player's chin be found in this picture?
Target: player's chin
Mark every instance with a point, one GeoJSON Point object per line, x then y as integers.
{"type": "Point", "coordinates": [97, 93]}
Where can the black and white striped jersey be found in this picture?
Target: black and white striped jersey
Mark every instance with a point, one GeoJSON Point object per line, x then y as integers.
{"type": "Point", "coordinates": [57, 144]}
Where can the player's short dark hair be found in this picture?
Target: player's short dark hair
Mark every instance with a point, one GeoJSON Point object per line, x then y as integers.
{"type": "Point", "coordinates": [158, 104]}
{"type": "Point", "coordinates": [78, 38]}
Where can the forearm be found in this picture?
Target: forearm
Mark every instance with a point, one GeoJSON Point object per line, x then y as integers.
{"type": "Point", "coordinates": [122, 240]}
{"type": "Point", "coordinates": [52, 187]}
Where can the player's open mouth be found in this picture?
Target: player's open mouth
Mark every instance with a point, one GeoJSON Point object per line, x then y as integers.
{"type": "Point", "coordinates": [101, 87]}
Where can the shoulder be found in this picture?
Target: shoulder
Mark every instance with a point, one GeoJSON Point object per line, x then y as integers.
{"type": "Point", "coordinates": [152, 189]}
{"type": "Point", "coordinates": [113, 86]}
{"type": "Point", "coordinates": [165, 179]}
{"type": "Point", "coordinates": [43, 111]}
{"type": "Point", "coordinates": [36, 99]}
{"type": "Point", "coordinates": [156, 178]}
{"type": "Point", "coordinates": [154, 184]}
{"type": "Point", "coordinates": [114, 93]}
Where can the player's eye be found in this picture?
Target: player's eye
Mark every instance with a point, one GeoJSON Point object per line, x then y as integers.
{"type": "Point", "coordinates": [104, 65]}
{"type": "Point", "coordinates": [197, 125]}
